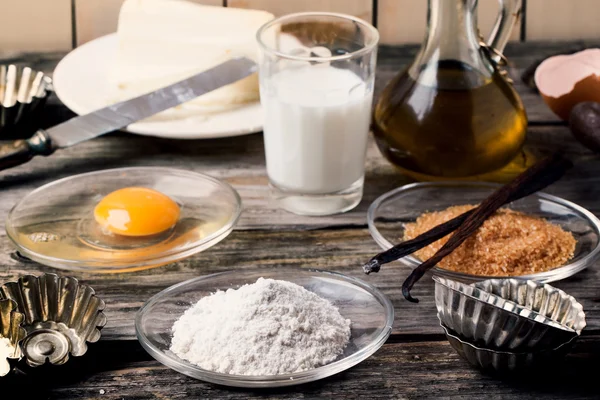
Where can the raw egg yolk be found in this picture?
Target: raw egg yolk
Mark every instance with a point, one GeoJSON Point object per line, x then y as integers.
{"type": "Point", "coordinates": [136, 211]}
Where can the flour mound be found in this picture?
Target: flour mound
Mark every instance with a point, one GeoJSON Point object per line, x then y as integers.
{"type": "Point", "coordinates": [270, 327]}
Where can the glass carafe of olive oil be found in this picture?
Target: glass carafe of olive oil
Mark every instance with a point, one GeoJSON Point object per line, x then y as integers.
{"type": "Point", "coordinates": [452, 113]}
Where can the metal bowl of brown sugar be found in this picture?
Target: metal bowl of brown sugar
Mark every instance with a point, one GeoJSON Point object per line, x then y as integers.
{"type": "Point", "coordinates": [540, 237]}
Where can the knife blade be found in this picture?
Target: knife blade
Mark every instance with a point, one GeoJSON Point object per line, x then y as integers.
{"type": "Point", "coordinates": [119, 115]}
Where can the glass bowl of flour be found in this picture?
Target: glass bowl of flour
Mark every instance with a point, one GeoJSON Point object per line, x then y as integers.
{"type": "Point", "coordinates": [251, 328]}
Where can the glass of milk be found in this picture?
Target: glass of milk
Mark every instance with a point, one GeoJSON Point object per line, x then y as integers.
{"type": "Point", "coordinates": [316, 76]}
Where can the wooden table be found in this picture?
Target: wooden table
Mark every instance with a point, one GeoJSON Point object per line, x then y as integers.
{"type": "Point", "coordinates": [416, 361]}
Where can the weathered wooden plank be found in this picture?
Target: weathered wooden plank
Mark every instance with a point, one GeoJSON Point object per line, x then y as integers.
{"type": "Point", "coordinates": [426, 370]}
{"type": "Point", "coordinates": [241, 162]}
{"type": "Point", "coordinates": [267, 237]}
{"type": "Point", "coordinates": [342, 250]}
{"type": "Point", "coordinates": [393, 59]}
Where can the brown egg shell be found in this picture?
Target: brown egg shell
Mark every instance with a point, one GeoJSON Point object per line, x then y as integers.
{"type": "Point", "coordinates": [587, 89]}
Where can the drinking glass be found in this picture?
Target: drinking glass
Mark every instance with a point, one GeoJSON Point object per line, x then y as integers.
{"type": "Point", "coordinates": [316, 77]}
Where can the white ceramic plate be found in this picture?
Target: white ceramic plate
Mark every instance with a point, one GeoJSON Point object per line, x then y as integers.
{"type": "Point", "coordinates": [80, 82]}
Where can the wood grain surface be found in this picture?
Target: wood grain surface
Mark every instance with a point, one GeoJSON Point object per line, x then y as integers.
{"type": "Point", "coordinates": [427, 369]}
{"type": "Point", "coordinates": [416, 362]}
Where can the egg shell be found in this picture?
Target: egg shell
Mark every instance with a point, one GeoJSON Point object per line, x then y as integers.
{"type": "Point", "coordinates": [587, 89]}
{"type": "Point", "coordinates": [566, 80]}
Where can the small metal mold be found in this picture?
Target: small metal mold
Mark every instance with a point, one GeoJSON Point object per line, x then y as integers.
{"type": "Point", "coordinates": [541, 298]}
{"type": "Point", "coordinates": [23, 94]}
{"type": "Point", "coordinates": [509, 314]}
{"type": "Point", "coordinates": [11, 330]}
{"type": "Point", "coordinates": [506, 361]}
{"type": "Point", "coordinates": [61, 316]}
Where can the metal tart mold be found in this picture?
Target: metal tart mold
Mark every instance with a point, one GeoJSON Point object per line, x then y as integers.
{"type": "Point", "coordinates": [23, 94]}
{"type": "Point", "coordinates": [10, 329]}
{"type": "Point", "coordinates": [61, 316]}
{"type": "Point", "coordinates": [509, 314]}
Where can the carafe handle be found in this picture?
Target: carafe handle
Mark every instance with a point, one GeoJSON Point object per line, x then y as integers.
{"type": "Point", "coordinates": [510, 11]}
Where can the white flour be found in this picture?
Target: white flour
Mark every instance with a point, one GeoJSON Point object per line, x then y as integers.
{"type": "Point", "coordinates": [270, 327]}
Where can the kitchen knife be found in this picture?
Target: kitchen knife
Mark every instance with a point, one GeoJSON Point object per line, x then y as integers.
{"type": "Point", "coordinates": [117, 116]}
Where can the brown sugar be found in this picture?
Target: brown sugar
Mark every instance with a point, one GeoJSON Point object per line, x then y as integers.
{"type": "Point", "coordinates": [509, 243]}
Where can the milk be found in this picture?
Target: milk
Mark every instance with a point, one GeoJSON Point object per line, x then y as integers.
{"type": "Point", "coordinates": [316, 128]}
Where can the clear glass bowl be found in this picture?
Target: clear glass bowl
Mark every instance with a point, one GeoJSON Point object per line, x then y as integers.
{"type": "Point", "coordinates": [54, 225]}
{"type": "Point", "coordinates": [388, 214]}
{"type": "Point", "coordinates": [369, 310]}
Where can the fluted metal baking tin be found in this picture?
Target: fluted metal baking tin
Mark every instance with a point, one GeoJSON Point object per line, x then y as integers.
{"type": "Point", "coordinates": [505, 361]}
{"type": "Point", "coordinates": [541, 298]}
{"type": "Point", "coordinates": [61, 316]}
{"type": "Point", "coordinates": [23, 93]}
{"type": "Point", "coordinates": [10, 328]}
{"type": "Point", "coordinates": [492, 321]}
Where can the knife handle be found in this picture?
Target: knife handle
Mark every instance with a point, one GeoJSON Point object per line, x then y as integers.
{"type": "Point", "coordinates": [21, 151]}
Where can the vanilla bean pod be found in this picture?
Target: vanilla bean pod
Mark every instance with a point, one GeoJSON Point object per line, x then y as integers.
{"type": "Point", "coordinates": [535, 178]}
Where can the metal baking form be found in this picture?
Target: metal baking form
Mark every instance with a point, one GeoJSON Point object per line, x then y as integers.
{"type": "Point", "coordinates": [61, 317]}
{"type": "Point", "coordinates": [23, 94]}
{"type": "Point", "coordinates": [542, 298]}
{"type": "Point", "coordinates": [491, 321]}
{"type": "Point", "coordinates": [11, 329]}
{"type": "Point", "coordinates": [506, 361]}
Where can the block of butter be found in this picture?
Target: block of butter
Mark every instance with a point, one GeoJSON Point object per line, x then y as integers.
{"type": "Point", "coordinates": [164, 41]}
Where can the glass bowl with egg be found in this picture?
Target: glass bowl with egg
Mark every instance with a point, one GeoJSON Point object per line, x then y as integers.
{"type": "Point", "coordinates": [573, 234]}
{"type": "Point", "coordinates": [123, 219]}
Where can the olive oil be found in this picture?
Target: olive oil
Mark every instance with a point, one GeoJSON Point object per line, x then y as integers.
{"type": "Point", "coordinates": [463, 123]}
